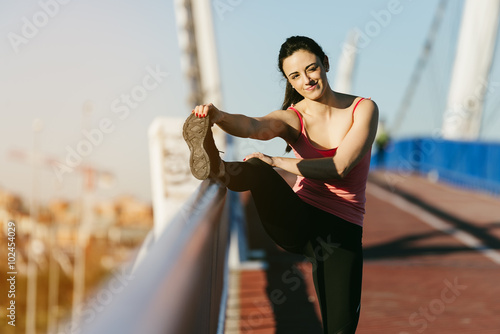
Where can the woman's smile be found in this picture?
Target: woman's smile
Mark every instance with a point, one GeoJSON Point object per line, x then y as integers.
{"type": "Point", "coordinates": [311, 88]}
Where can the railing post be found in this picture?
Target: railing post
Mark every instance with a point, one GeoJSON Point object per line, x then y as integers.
{"type": "Point", "coordinates": [171, 179]}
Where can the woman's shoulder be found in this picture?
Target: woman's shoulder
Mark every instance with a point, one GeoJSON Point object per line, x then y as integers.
{"type": "Point", "coordinates": [290, 120]}
{"type": "Point", "coordinates": [365, 110]}
{"type": "Point", "coordinates": [356, 103]}
{"type": "Point", "coordinates": [365, 103]}
{"type": "Point", "coordinates": [288, 116]}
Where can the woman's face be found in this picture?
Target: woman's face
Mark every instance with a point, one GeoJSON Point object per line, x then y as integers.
{"type": "Point", "coordinates": [306, 74]}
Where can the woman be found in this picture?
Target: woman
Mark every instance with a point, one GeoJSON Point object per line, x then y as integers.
{"type": "Point", "coordinates": [322, 216]}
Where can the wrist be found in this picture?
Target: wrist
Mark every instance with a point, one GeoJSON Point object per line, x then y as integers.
{"type": "Point", "coordinates": [275, 161]}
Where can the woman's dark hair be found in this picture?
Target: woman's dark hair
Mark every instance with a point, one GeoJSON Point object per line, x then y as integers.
{"type": "Point", "coordinates": [292, 45]}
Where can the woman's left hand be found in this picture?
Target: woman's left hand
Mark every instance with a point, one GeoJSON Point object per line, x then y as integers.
{"type": "Point", "coordinates": [267, 159]}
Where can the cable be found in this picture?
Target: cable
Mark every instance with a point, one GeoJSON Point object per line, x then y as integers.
{"type": "Point", "coordinates": [422, 61]}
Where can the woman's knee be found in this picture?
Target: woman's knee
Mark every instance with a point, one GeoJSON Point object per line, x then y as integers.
{"type": "Point", "coordinates": [242, 176]}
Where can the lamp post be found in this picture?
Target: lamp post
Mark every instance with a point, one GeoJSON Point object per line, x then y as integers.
{"type": "Point", "coordinates": [32, 270]}
{"type": "Point", "coordinates": [83, 228]}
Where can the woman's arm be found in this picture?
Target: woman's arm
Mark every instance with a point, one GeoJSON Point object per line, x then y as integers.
{"type": "Point", "coordinates": [354, 146]}
{"type": "Point", "coordinates": [278, 123]}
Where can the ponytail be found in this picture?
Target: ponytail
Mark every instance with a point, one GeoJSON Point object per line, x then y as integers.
{"type": "Point", "coordinates": [291, 97]}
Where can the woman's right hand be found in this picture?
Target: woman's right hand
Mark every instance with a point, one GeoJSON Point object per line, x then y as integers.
{"type": "Point", "coordinates": [208, 109]}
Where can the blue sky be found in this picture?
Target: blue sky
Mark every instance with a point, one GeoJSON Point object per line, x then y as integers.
{"type": "Point", "coordinates": [94, 52]}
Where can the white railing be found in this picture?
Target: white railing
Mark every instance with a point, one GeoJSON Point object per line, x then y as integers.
{"type": "Point", "coordinates": [179, 286]}
{"type": "Point", "coordinates": [179, 279]}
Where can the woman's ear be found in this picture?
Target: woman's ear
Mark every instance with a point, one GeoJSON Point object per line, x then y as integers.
{"type": "Point", "coordinates": [326, 63]}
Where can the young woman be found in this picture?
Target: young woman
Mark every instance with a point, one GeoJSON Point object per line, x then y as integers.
{"type": "Point", "coordinates": [331, 135]}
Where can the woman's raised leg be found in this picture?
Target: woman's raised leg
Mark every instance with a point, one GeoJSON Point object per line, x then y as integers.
{"type": "Point", "coordinates": [281, 211]}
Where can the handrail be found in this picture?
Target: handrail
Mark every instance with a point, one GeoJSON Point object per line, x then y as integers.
{"type": "Point", "coordinates": [451, 161]}
{"type": "Point", "coordinates": [177, 287]}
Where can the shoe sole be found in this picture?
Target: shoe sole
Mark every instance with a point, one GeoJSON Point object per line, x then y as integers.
{"type": "Point", "coordinates": [194, 132]}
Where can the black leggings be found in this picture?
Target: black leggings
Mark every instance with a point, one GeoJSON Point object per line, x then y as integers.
{"type": "Point", "coordinates": [333, 245]}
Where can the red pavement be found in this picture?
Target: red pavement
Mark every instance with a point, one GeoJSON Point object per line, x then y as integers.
{"type": "Point", "coordinates": [417, 279]}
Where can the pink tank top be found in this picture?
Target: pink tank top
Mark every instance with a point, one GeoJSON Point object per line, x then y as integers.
{"type": "Point", "coordinates": [345, 197]}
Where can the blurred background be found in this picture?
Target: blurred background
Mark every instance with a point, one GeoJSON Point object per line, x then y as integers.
{"type": "Point", "coordinates": [82, 81]}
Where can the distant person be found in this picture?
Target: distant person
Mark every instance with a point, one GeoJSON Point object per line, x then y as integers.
{"type": "Point", "coordinates": [382, 141]}
{"type": "Point", "coordinates": [331, 135]}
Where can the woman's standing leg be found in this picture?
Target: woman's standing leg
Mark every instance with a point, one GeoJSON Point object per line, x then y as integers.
{"type": "Point", "coordinates": [336, 254]}
{"type": "Point", "coordinates": [332, 244]}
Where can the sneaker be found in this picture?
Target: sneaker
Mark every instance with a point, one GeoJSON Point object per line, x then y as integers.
{"type": "Point", "coordinates": [204, 160]}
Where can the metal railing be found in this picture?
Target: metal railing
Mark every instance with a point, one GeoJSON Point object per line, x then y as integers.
{"type": "Point", "coordinates": [452, 161]}
{"type": "Point", "coordinates": [179, 286]}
